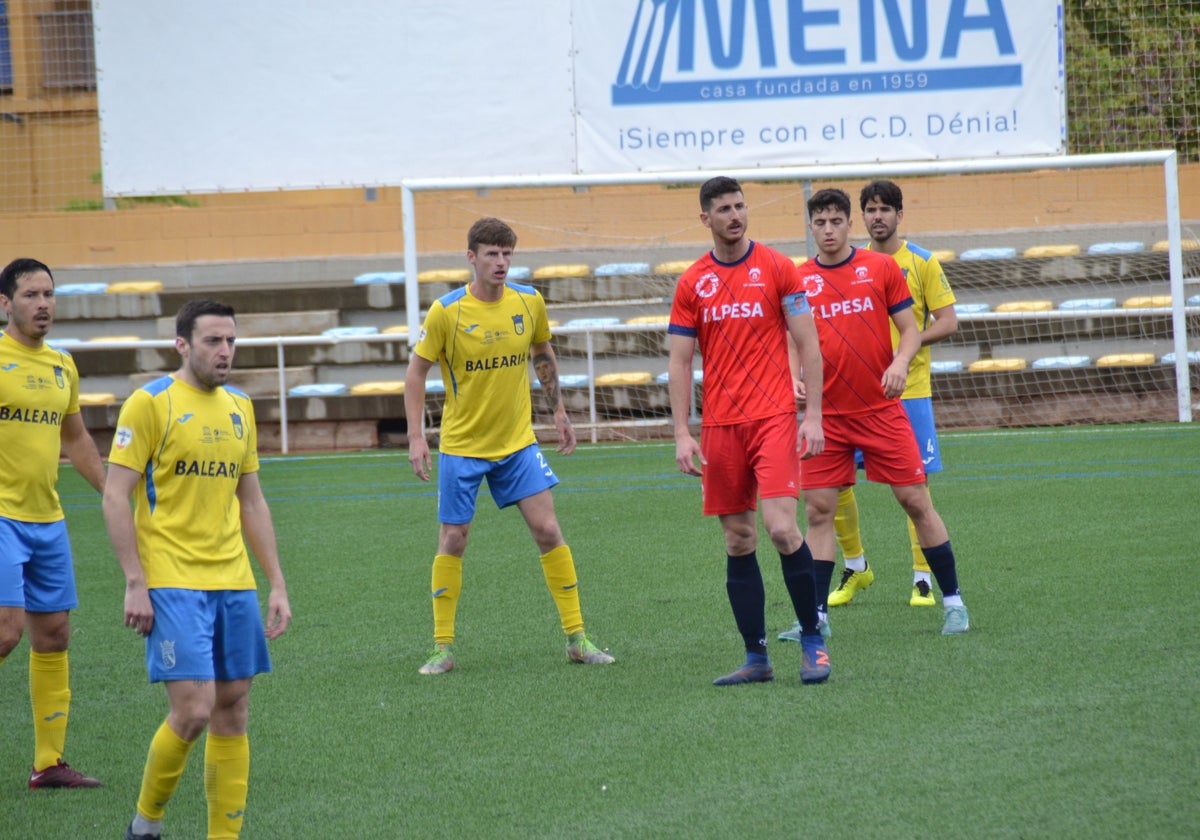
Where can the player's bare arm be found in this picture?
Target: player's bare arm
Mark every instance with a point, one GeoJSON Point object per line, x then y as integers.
{"type": "Point", "coordinates": [943, 325]}
{"type": "Point", "coordinates": [80, 449]}
{"type": "Point", "coordinates": [545, 365]}
{"type": "Point", "coordinates": [803, 333]}
{"type": "Point", "coordinates": [687, 450]}
{"type": "Point", "coordinates": [414, 410]}
{"type": "Point", "coordinates": [896, 375]}
{"type": "Point", "coordinates": [259, 531]}
{"type": "Point", "coordinates": [118, 517]}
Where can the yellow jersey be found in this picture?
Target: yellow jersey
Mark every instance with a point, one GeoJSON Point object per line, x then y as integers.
{"type": "Point", "coordinates": [930, 290]}
{"type": "Point", "coordinates": [191, 447]}
{"type": "Point", "coordinates": [483, 351]}
{"type": "Point", "coordinates": [38, 388]}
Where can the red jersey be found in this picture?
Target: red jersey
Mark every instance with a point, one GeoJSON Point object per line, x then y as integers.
{"type": "Point", "coordinates": [735, 311]}
{"type": "Point", "coordinates": [852, 303]}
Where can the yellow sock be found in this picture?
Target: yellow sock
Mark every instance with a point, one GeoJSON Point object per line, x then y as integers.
{"type": "Point", "coordinates": [165, 761]}
{"type": "Point", "coordinates": [559, 568]}
{"type": "Point", "coordinates": [845, 523]}
{"type": "Point", "coordinates": [50, 693]}
{"type": "Point", "coordinates": [447, 584]}
{"type": "Point", "coordinates": [919, 562]}
{"type": "Point", "coordinates": [226, 780]}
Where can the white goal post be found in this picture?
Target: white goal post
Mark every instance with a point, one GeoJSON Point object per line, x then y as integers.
{"type": "Point", "coordinates": [1175, 313]}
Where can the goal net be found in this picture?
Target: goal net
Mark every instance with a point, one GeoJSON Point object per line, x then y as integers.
{"type": "Point", "coordinates": [1075, 281]}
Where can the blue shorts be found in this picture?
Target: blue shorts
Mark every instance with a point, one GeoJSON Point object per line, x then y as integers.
{"type": "Point", "coordinates": [36, 573]}
{"type": "Point", "coordinates": [920, 416]}
{"type": "Point", "coordinates": [206, 635]}
{"type": "Point", "coordinates": [514, 477]}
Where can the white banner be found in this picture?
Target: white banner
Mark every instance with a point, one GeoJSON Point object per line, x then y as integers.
{"type": "Point", "coordinates": [683, 84]}
{"type": "Point", "coordinates": [270, 94]}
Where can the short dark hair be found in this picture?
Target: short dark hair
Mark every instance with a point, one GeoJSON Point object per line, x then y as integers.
{"type": "Point", "coordinates": [884, 190]}
{"type": "Point", "coordinates": [830, 197]}
{"type": "Point", "coordinates": [185, 321]}
{"type": "Point", "coordinates": [15, 270]}
{"type": "Point", "coordinates": [711, 189]}
{"type": "Point", "coordinates": [490, 231]}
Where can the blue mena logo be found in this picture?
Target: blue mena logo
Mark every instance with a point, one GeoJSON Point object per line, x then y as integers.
{"type": "Point", "coordinates": [772, 39]}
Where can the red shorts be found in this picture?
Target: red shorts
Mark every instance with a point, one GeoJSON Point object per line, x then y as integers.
{"type": "Point", "coordinates": [747, 460]}
{"type": "Point", "coordinates": [885, 437]}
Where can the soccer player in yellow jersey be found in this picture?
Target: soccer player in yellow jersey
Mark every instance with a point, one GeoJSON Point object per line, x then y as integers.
{"type": "Point", "coordinates": [882, 205]}
{"type": "Point", "coordinates": [39, 419]}
{"type": "Point", "coordinates": [484, 336]}
{"type": "Point", "coordinates": [186, 451]}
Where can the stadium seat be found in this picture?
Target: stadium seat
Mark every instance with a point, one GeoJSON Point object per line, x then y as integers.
{"type": "Point", "coordinates": [971, 308]}
{"type": "Point", "coordinates": [519, 273]}
{"type": "Point", "coordinates": [395, 329]}
{"type": "Point", "coordinates": [97, 398]}
{"type": "Point", "coordinates": [945, 255]}
{"type": "Point", "coordinates": [602, 342]}
{"type": "Point", "coordinates": [1126, 360]}
{"type": "Point", "coordinates": [988, 254]}
{"type": "Point", "coordinates": [135, 287]}
{"type": "Point", "coordinates": [1184, 245]}
{"type": "Point", "coordinates": [997, 365]}
{"type": "Point", "coordinates": [632, 377]}
{"type": "Point", "coordinates": [318, 389]}
{"type": "Point", "coordinates": [665, 377]}
{"type": "Point", "coordinates": [1116, 248]}
{"type": "Point", "coordinates": [1193, 358]}
{"type": "Point", "coordinates": [113, 339]}
{"type": "Point", "coordinates": [1025, 306]}
{"type": "Point", "coordinates": [572, 380]}
{"type": "Point", "coordinates": [81, 289]}
{"type": "Point", "coordinates": [347, 332]}
{"type": "Point", "coordinates": [444, 275]}
{"type": "Point", "coordinates": [659, 320]}
{"type": "Point", "coordinates": [675, 267]}
{"type": "Point", "coordinates": [63, 343]}
{"type": "Point", "coordinates": [1147, 302]}
{"type": "Point", "coordinates": [1194, 300]}
{"type": "Point", "coordinates": [947, 366]}
{"type": "Point", "coordinates": [389, 386]}
{"type": "Point", "coordinates": [1044, 251]}
{"type": "Point", "coordinates": [435, 386]}
{"type": "Point", "coordinates": [1076, 304]}
{"type": "Point", "coordinates": [565, 283]}
{"type": "Point", "coordinates": [615, 281]}
{"type": "Point", "coordinates": [374, 277]}
{"type": "Point", "coordinates": [1057, 362]}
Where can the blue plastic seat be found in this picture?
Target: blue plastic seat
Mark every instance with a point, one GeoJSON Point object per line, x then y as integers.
{"type": "Point", "coordinates": [971, 308]}
{"type": "Point", "coordinates": [988, 254]}
{"type": "Point", "coordinates": [1087, 303]}
{"type": "Point", "coordinates": [81, 289]}
{"type": "Point", "coordinates": [318, 389]}
{"type": "Point", "coordinates": [665, 377]}
{"type": "Point", "coordinates": [1194, 300]}
{"type": "Point", "coordinates": [611, 269]}
{"type": "Point", "coordinates": [591, 323]}
{"type": "Point", "coordinates": [949, 366]}
{"type": "Point", "coordinates": [1058, 362]}
{"type": "Point", "coordinates": [1116, 248]}
{"type": "Point", "coordinates": [435, 386]}
{"type": "Point", "coordinates": [1193, 358]}
{"type": "Point", "coordinates": [519, 273]}
{"type": "Point", "coordinates": [373, 277]}
{"type": "Point", "coordinates": [343, 332]}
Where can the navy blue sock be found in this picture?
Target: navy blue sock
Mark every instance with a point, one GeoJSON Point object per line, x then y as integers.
{"type": "Point", "coordinates": [941, 562]}
{"type": "Point", "coordinates": [823, 574]}
{"type": "Point", "coordinates": [744, 583]}
{"type": "Point", "coordinates": [802, 586]}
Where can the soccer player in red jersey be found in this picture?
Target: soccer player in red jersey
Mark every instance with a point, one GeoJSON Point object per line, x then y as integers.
{"type": "Point", "coordinates": [738, 303]}
{"type": "Point", "coordinates": [854, 294]}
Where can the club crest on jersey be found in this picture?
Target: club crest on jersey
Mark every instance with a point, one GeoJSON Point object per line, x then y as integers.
{"type": "Point", "coordinates": [123, 438]}
{"type": "Point", "coordinates": [239, 431]}
{"type": "Point", "coordinates": [519, 324]}
{"type": "Point", "coordinates": [814, 284]}
{"type": "Point", "coordinates": [58, 377]}
{"type": "Point", "coordinates": [167, 653]}
{"type": "Point", "coordinates": [707, 285]}
{"type": "Point", "coordinates": [755, 277]}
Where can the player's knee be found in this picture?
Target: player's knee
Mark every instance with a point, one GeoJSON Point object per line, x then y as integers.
{"type": "Point", "coordinates": [10, 636]}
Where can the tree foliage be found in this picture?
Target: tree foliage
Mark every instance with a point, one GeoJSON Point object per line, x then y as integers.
{"type": "Point", "coordinates": [1133, 75]}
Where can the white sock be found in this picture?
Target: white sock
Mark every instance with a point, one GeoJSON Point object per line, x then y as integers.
{"type": "Point", "coordinates": [141, 825]}
{"type": "Point", "coordinates": [952, 601]}
{"type": "Point", "coordinates": [857, 564]}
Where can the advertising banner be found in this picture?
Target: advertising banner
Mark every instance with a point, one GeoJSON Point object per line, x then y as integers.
{"type": "Point", "coordinates": [681, 84]}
